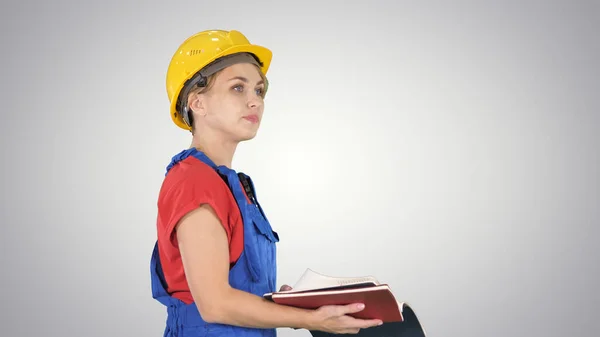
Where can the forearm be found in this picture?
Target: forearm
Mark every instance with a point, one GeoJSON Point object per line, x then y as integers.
{"type": "Point", "coordinates": [241, 308]}
{"type": "Point", "coordinates": [204, 246]}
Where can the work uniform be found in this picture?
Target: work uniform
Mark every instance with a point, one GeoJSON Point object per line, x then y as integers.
{"type": "Point", "coordinates": [254, 271]}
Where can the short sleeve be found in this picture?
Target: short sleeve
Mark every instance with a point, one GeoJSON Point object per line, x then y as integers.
{"type": "Point", "coordinates": [187, 187]}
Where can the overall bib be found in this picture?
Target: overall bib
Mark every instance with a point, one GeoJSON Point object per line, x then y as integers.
{"type": "Point", "coordinates": [254, 272]}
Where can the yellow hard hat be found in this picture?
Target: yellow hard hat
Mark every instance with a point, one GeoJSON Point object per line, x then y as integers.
{"type": "Point", "coordinates": [203, 54]}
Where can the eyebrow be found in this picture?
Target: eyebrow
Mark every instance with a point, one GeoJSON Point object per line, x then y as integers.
{"type": "Point", "coordinates": [245, 80]}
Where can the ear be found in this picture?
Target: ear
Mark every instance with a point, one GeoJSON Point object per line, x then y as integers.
{"type": "Point", "coordinates": [196, 104]}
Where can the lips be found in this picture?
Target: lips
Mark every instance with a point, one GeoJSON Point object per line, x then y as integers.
{"type": "Point", "coordinates": [251, 118]}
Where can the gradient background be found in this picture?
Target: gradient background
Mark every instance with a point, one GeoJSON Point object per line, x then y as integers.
{"type": "Point", "coordinates": [449, 149]}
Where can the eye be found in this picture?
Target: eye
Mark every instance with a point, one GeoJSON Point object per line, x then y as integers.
{"type": "Point", "coordinates": [240, 88]}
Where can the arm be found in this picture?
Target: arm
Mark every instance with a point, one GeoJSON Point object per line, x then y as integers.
{"type": "Point", "coordinates": [203, 245]}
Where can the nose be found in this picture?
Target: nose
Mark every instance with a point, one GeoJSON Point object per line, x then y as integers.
{"type": "Point", "coordinates": [254, 102]}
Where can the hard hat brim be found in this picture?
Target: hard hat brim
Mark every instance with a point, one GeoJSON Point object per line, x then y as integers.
{"type": "Point", "coordinates": [263, 54]}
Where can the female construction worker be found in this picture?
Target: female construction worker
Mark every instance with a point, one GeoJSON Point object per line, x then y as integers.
{"type": "Point", "coordinates": [215, 252]}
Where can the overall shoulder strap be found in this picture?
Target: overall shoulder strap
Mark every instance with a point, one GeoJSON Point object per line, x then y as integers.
{"type": "Point", "coordinates": [248, 187]}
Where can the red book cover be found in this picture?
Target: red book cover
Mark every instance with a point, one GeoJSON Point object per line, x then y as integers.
{"type": "Point", "coordinates": [314, 290]}
{"type": "Point", "coordinates": [379, 301]}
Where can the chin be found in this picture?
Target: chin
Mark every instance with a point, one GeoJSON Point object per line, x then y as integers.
{"type": "Point", "coordinates": [248, 132]}
{"type": "Point", "coordinates": [245, 136]}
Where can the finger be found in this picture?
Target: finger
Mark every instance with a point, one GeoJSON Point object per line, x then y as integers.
{"type": "Point", "coordinates": [351, 331]}
{"type": "Point", "coordinates": [285, 287]}
{"type": "Point", "coordinates": [368, 323]}
{"type": "Point", "coordinates": [355, 323]}
{"type": "Point", "coordinates": [351, 308]}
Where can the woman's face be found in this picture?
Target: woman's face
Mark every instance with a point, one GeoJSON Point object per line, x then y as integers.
{"type": "Point", "coordinates": [233, 107]}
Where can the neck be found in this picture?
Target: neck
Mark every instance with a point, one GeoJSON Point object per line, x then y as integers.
{"type": "Point", "coordinates": [220, 152]}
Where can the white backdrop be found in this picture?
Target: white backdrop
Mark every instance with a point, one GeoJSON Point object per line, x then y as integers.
{"type": "Point", "coordinates": [449, 149]}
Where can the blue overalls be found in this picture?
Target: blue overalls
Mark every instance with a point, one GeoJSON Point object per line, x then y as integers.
{"type": "Point", "coordinates": [254, 272]}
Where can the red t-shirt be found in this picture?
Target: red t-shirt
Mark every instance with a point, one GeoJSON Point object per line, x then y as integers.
{"type": "Point", "coordinates": [186, 186]}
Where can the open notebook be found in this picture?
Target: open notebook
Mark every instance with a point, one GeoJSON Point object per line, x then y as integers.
{"type": "Point", "coordinates": [311, 281]}
{"type": "Point", "coordinates": [313, 290]}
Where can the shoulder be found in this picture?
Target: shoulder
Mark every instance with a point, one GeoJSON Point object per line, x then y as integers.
{"type": "Point", "coordinates": [192, 170]}
{"type": "Point", "coordinates": [191, 178]}
{"type": "Point", "coordinates": [189, 184]}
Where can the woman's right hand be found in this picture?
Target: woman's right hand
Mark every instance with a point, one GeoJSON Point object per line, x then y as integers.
{"type": "Point", "coordinates": [334, 319]}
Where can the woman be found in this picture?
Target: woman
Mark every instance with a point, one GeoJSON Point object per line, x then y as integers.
{"type": "Point", "coordinates": [215, 254]}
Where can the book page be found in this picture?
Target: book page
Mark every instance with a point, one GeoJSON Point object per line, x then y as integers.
{"type": "Point", "coordinates": [313, 280]}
